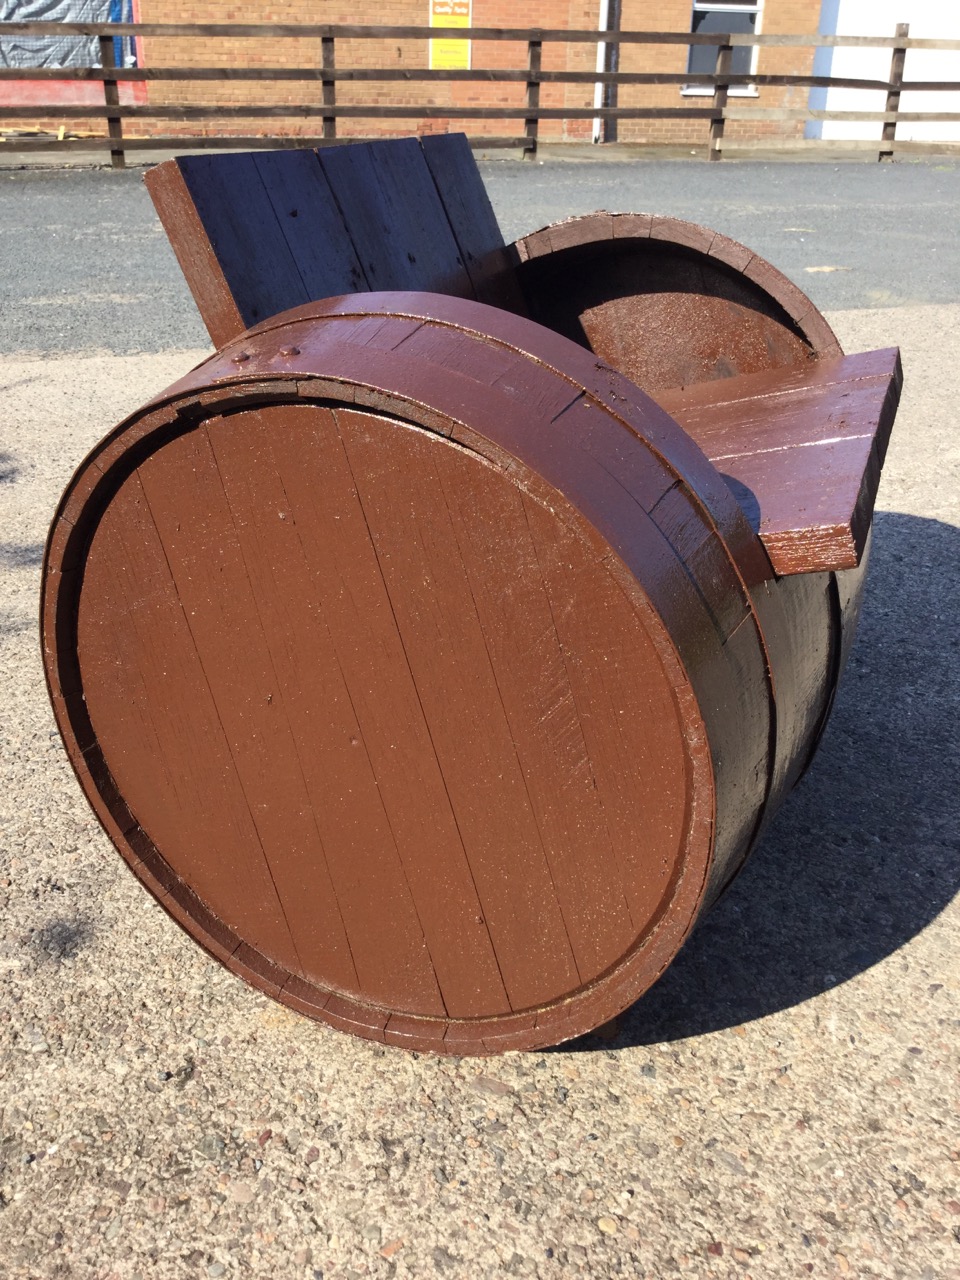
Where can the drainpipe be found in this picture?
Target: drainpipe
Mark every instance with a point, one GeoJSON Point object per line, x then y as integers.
{"type": "Point", "coordinates": [608, 59]}
{"type": "Point", "coordinates": [603, 25]}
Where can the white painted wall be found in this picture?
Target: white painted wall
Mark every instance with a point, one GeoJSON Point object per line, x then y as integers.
{"type": "Point", "coordinates": [930, 19]}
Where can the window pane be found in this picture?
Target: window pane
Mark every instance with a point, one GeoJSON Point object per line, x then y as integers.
{"type": "Point", "coordinates": [703, 57]}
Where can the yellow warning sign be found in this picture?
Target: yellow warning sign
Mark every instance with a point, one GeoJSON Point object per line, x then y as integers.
{"type": "Point", "coordinates": [450, 55]}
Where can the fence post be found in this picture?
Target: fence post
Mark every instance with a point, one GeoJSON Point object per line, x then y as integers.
{"type": "Point", "coordinates": [328, 55]}
{"type": "Point", "coordinates": [724, 62]}
{"type": "Point", "coordinates": [111, 96]}
{"type": "Point", "coordinates": [531, 123]}
{"type": "Point", "coordinates": [893, 93]}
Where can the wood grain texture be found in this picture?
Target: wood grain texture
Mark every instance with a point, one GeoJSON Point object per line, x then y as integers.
{"type": "Point", "coordinates": [667, 302]}
{"type": "Point", "coordinates": [461, 683]}
{"type": "Point", "coordinates": [259, 271]}
{"type": "Point", "coordinates": [130, 604]}
{"type": "Point", "coordinates": [190, 241]}
{"type": "Point", "coordinates": [481, 360]}
{"type": "Point", "coordinates": [395, 217]}
{"type": "Point", "coordinates": [600, 466]}
{"type": "Point", "coordinates": [311, 222]}
{"type": "Point", "coordinates": [802, 634]}
{"type": "Point", "coordinates": [342, 583]}
{"type": "Point", "coordinates": [446, 701]}
{"type": "Point", "coordinates": [803, 453]}
{"type": "Point", "coordinates": [258, 233]}
{"type": "Point", "coordinates": [574, 366]}
{"type": "Point", "coordinates": [486, 258]}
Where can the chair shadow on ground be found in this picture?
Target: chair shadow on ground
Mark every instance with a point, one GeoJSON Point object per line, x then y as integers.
{"type": "Point", "coordinates": [866, 851]}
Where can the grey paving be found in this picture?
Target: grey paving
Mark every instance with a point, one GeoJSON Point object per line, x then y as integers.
{"type": "Point", "coordinates": [784, 1103]}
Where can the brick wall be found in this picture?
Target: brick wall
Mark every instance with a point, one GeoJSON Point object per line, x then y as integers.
{"type": "Point", "coordinates": [779, 16]}
{"type": "Point", "coordinates": [397, 54]}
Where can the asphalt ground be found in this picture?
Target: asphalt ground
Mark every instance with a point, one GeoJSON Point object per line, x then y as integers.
{"type": "Point", "coordinates": [85, 265]}
{"type": "Point", "coordinates": [783, 1103]}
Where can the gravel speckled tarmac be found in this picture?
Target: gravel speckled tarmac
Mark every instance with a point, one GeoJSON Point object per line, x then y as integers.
{"type": "Point", "coordinates": [784, 1103]}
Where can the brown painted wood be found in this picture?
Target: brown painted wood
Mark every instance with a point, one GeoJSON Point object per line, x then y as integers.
{"type": "Point", "coordinates": [801, 718]}
{"type": "Point", "coordinates": [461, 682]}
{"type": "Point", "coordinates": [493, 669]}
{"type": "Point", "coordinates": [111, 97]}
{"type": "Point", "coordinates": [803, 632]}
{"type": "Point", "coordinates": [706, 605]}
{"type": "Point", "coordinates": [248, 270]}
{"type": "Point", "coordinates": [666, 302]}
{"type": "Point", "coordinates": [197, 256]}
{"type": "Point", "coordinates": [330, 30]}
{"type": "Point", "coordinates": [588, 862]}
{"type": "Point", "coordinates": [341, 575]}
{"type": "Point", "coordinates": [127, 578]}
{"type": "Point", "coordinates": [802, 453]}
{"type": "Point", "coordinates": [574, 367]}
{"type": "Point", "coordinates": [314, 73]}
{"type": "Point", "coordinates": [897, 60]}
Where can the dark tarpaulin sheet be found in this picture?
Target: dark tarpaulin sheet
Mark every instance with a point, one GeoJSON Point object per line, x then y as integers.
{"type": "Point", "coordinates": [62, 51]}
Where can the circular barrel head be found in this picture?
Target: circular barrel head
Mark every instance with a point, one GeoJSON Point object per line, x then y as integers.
{"type": "Point", "coordinates": [383, 707]}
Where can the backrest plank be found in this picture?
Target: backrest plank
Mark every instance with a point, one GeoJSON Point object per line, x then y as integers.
{"type": "Point", "coordinates": [311, 223]}
{"type": "Point", "coordinates": [240, 222]}
{"type": "Point", "coordinates": [397, 221]}
{"type": "Point", "coordinates": [259, 233]}
{"type": "Point", "coordinates": [487, 260]}
{"type": "Point", "coordinates": [190, 241]}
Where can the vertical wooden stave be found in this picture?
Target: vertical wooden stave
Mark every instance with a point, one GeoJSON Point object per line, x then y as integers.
{"type": "Point", "coordinates": [742, 714]}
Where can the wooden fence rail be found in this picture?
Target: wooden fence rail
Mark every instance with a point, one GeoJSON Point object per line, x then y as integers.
{"type": "Point", "coordinates": [317, 31]}
{"type": "Point", "coordinates": [527, 112]}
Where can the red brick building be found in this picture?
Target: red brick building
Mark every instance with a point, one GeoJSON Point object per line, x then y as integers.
{"type": "Point", "coordinates": [767, 16]}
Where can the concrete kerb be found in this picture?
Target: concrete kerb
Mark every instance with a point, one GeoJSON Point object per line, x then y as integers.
{"type": "Point", "coordinates": [12, 158]}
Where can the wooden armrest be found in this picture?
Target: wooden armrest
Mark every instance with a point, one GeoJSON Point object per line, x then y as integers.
{"type": "Point", "coordinates": [802, 450]}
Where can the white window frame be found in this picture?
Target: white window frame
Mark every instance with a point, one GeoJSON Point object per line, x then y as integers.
{"type": "Point", "coordinates": [726, 6]}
